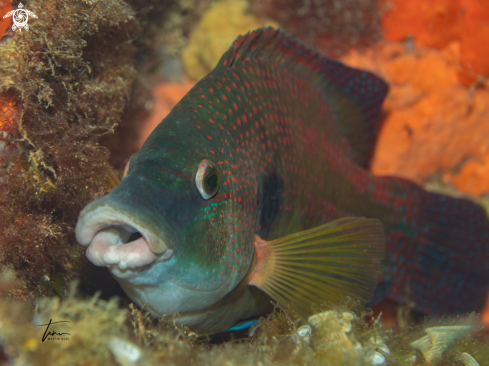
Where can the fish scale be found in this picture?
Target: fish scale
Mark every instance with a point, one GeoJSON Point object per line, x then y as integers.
{"type": "Point", "coordinates": [288, 135]}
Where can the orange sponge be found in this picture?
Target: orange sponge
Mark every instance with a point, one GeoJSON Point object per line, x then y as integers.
{"type": "Point", "coordinates": [432, 23]}
{"type": "Point", "coordinates": [474, 47]}
{"type": "Point", "coordinates": [5, 7]}
{"type": "Point", "coordinates": [8, 115]}
{"type": "Point", "coordinates": [431, 124]}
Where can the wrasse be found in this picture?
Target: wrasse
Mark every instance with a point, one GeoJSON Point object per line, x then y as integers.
{"type": "Point", "coordinates": [254, 187]}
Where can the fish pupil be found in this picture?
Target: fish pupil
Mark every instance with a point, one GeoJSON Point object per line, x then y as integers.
{"type": "Point", "coordinates": [212, 181]}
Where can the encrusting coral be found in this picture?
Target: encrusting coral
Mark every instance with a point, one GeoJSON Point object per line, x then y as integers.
{"type": "Point", "coordinates": [63, 84]}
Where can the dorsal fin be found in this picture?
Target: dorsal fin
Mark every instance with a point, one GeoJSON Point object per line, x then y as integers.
{"type": "Point", "coordinates": [355, 95]}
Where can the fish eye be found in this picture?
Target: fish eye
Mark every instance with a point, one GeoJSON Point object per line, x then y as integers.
{"type": "Point", "coordinates": [207, 179]}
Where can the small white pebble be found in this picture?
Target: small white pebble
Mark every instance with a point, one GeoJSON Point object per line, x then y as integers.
{"type": "Point", "coordinates": [377, 359]}
{"type": "Point", "coordinates": [384, 349]}
{"type": "Point", "coordinates": [304, 331]}
{"type": "Point", "coordinates": [317, 319]}
{"type": "Point", "coordinates": [343, 319]}
{"type": "Point", "coordinates": [124, 350]}
{"type": "Point", "coordinates": [346, 319]}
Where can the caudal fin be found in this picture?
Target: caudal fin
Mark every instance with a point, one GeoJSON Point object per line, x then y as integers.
{"type": "Point", "coordinates": [324, 264]}
{"type": "Point", "coordinates": [437, 252]}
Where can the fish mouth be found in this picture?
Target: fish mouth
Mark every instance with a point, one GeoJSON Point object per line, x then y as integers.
{"type": "Point", "coordinates": [114, 239]}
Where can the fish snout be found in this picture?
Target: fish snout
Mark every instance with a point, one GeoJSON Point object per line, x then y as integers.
{"type": "Point", "coordinates": [113, 239]}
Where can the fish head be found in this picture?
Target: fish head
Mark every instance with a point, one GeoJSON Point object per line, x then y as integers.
{"type": "Point", "coordinates": [177, 232]}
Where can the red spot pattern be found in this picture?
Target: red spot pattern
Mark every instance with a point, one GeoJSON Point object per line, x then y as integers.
{"type": "Point", "coordinates": [284, 137]}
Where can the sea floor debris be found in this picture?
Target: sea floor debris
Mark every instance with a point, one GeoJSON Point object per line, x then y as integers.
{"type": "Point", "coordinates": [100, 332]}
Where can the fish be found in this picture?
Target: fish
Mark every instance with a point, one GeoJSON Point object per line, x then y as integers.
{"type": "Point", "coordinates": [256, 188]}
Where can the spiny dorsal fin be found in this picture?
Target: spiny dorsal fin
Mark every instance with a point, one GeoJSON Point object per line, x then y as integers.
{"type": "Point", "coordinates": [354, 95]}
{"type": "Point", "coordinates": [322, 265]}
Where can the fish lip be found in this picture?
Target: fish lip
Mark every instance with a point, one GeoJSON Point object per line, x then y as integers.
{"type": "Point", "coordinates": [107, 250]}
{"type": "Point", "coordinates": [93, 221]}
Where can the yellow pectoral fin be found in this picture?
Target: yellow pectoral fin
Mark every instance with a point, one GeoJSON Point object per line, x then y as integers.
{"type": "Point", "coordinates": [324, 264]}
